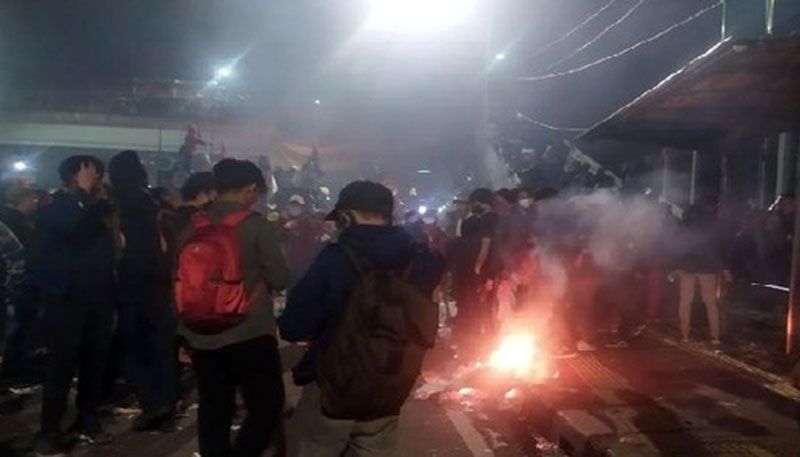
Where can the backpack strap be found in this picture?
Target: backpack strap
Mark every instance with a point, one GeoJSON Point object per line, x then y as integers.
{"type": "Point", "coordinates": [412, 262]}
{"type": "Point", "coordinates": [200, 220]}
{"type": "Point", "coordinates": [357, 261]}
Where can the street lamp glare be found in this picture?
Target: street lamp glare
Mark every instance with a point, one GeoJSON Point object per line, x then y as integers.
{"type": "Point", "coordinates": [20, 166]}
{"type": "Point", "coordinates": [418, 15]}
{"type": "Point", "coordinates": [500, 56]}
{"type": "Point", "coordinates": [317, 101]}
{"type": "Point", "coordinates": [224, 72]}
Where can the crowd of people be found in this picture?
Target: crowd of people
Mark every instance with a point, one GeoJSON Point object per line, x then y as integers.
{"type": "Point", "coordinates": [128, 286]}
{"type": "Point", "coordinates": [124, 286]}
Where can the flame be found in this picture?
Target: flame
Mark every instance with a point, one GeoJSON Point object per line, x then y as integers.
{"type": "Point", "coordinates": [518, 356]}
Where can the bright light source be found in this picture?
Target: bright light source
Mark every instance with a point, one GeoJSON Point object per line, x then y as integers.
{"type": "Point", "coordinates": [317, 102]}
{"type": "Point", "coordinates": [422, 210]}
{"type": "Point", "coordinates": [20, 165]}
{"type": "Point", "coordinates": [424, 172]}
{"type": "Point", "coordinates": [418, 15]}
{"type": "Point", "coordinates": [517, 355]}
{"type": "Point", "coordinates": [224, 72]}
{"type": "Point", "coordinates": [500, 56]}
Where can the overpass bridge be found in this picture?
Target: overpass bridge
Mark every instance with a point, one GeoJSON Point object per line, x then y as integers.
{"type": "Point", "coordinates": [90, 131]}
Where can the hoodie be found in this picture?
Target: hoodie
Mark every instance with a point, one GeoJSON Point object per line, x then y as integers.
{"type": "Point", "coordinates": [315, 303]}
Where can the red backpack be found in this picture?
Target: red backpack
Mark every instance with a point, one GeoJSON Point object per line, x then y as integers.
{"type": "Point", "coordinates": [209, 287]}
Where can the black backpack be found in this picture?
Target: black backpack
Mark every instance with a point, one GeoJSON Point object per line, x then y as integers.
{"type": "Point", "coordinates": [378, 345]}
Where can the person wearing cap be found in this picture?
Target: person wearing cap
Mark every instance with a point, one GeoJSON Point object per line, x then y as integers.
{"type": "Point", "coordinates": [21, 203]}
{"type": "Point", "coordinates": [455, 218]}
{"type": "Point", "coordinates": [244, 357]}
{"type": "Point", "coordinates": [474, 267]}
{"type": "Point", "coordinates": [301, 234]}
{"type": "Point", "coordinates": [364, 214]}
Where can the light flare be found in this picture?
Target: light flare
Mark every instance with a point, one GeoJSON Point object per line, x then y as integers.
{"type": "Point", "coordinates": [518, 355]}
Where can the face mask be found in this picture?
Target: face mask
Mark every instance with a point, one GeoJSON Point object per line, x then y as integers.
{"type": "Point", "coordinates": [526, 203]}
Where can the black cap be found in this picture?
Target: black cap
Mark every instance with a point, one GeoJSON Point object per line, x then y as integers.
{"type": "Point", "coordinates": [364, 196]}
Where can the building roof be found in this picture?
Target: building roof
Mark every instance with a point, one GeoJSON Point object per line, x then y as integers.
{"type": "Point", "coordinates": [734, 90]}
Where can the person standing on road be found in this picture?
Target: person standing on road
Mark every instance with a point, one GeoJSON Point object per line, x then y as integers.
{"type": "Point", "coordinates": [146, 325]}
{"type": "Point", "coordinates": [244, 355]}
{"type": "Point", "coordinates": [352, 417]}
{"type": "Point", "coordinates": [701, 262]}
{"type": "Point", "coordinates": [475, 267]}
{"type": "Point", "coordinates": [17, 215]}
{"type": "Point", "coordinates": [75, 276]}
{"type": "Point", "coordinates": [302, 234]}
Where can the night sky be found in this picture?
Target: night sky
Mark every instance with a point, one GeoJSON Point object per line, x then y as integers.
{"type": "Point", "coordinates": [294, 51]}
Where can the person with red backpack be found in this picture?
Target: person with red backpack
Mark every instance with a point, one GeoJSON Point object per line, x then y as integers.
{"type": "Point", "coordinates": [229, 265]}
{"type": "Point", "coordinates": [365, 305]}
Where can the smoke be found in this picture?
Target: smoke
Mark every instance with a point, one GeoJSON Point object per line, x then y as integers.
{"type": "Point", "coordinates": [618, 232]}
{"type": "Point", "coordinates": [499, 174]}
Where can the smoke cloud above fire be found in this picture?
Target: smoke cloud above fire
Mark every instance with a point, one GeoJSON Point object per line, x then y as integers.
{"type": "Point", "coordinates": [619, 232]}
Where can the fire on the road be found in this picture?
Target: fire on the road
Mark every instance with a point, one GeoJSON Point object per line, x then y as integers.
{"type": "Point", "coordinates": [518, 355]}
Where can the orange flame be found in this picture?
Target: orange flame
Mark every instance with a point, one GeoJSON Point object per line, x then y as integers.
{"type": "Point", "coordinates": [518, 356]}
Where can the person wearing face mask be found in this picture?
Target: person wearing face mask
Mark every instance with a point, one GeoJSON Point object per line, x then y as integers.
{"type": "Point", "coordinates": [473, 266]}
{"type": "Point", "coordinates": [317, 307]}
{"type": "Point", "coordinates": [302, 234]}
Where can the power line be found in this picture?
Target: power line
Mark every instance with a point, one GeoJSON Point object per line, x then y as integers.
{"type": "Point", "coordinates": [624, 51]}
{"type": "Point", "coordinates": [598, 37]}
{"type": "Point", "coordinates": [548, 126]}
{"type": "Point", "coordinates": [580, 25]}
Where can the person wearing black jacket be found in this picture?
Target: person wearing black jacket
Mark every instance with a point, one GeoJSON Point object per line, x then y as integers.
{"type": "Point", "coordinates": [313, 305]}
{"type": "Point", "coordinates": [17, 214]}
{"type": "Point", "coordinates": [75, 276]}
{"type": "Point", "coordinates": [146, 323]}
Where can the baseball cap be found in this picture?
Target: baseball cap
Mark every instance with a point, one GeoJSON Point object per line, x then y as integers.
{"type": "Point", "coordinates": [364, 196]}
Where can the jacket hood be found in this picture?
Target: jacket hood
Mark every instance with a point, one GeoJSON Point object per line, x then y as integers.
{"type": "Point", "coordinates": [385, 246]}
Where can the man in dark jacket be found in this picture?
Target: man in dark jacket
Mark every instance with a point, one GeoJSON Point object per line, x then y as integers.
{"type": "Point", "coordinates": [365, 210]}
{"type": "Point", "coordinates": [21, 204]}
{"type": "Point", "coordinates": [244, 356]}
{"type": "Point", "coordinates": [146, 325]}
{"type": "Point", "coordinates": [75, 276]}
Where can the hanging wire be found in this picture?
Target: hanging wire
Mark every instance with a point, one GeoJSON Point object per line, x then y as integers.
{"type": "Point", "coordinates": [548, 126]}
{"type": "Point", "coordinates": [580, 25]}
{"type": "Point", "coordinates": [624, 51]}
{"type": "Point", "coordinates": [597, 38]}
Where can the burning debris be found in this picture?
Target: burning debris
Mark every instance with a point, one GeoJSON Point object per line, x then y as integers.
{"type": "Point", "coordinates": [519, 356]}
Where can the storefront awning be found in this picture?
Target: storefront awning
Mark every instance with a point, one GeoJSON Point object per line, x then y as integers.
{"type": "Point", "coordinates": [737, 89]}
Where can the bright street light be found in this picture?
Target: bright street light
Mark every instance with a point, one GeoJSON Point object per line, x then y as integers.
{"type": "Point", "coordinates": [317, 102]}
{"type": "Point", "coordinates": [224, 72]}
{"type": "Point", "coordinates": [500, 56]}
{"type": "Point", "coordinates": [418, 15]}
{"type": "Point", "coordinates": [20, 165]}
{"type": "Point", "coordinates": [422, 210]}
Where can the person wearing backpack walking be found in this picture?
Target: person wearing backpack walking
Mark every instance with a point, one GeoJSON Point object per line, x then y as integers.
{"type": "Point", "coordinates": [365, 305]}
{"type": "Point", "coordinates": [228, 266]}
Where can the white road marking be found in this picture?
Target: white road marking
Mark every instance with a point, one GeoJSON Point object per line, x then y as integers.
{"type": "Point", "coordinates": [472, 438]}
